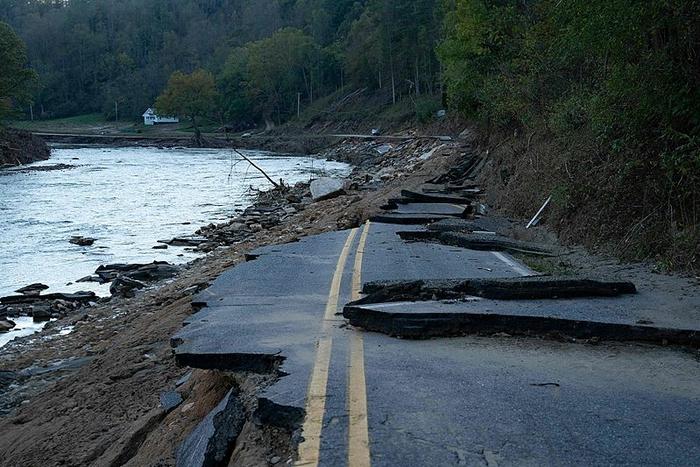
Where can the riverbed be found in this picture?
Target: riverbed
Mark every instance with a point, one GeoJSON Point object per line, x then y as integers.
{"type": "Point", "coordinates": [128, 199]}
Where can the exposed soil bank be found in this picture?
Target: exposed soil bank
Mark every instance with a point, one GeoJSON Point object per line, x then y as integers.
{"type": "Point", "coordinates": [18, 147]}
{"type": "Point", "coordinates": [598, 199]}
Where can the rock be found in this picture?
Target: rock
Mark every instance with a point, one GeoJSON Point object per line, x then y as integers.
{"type": "Point", "coordinates": [274, 460]}
{"type": "Point", "coordinates": [190, 240]}
{"type": "Point", "coordinates": [160, 247]}
{"type": "Point", "coordinates": [7, 378]}
{"type": "Point", "coordinates": [81, 297]}
{"type": "Point", "coordinates": [169, 400]}
{"type": "Point", "coordinates": [32, 290]}
{"type": "Point", "coordinates": [91, 278]}
{"type": "Point", "coordinates": [383, 149]}
{"type": "Point", "coordinates": [124, 286]}
{"type": "Point", "coordinates": [211, 442]}
{"type": "Point", "coordinates": [326, 188]}
{"type": "Point", "coordinates": [41, 312]}
{"type": "Point", "coordinates": [141, 272]}
{"type": "Point", "coordinates": [256, 227]}
{"type": "Point", "coordinates": [236, 227]}
{"type": "Point", "coordinates": [82, 241]}
{"type": "Point", "coordinates": [6, 325]}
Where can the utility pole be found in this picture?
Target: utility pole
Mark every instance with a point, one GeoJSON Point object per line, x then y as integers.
{"type": "Point", "coordinates": [116, 111]}
{"type": "Point", "coordinates": [298, 104]}
{"type": "Point", "coordinates": [31, 112]}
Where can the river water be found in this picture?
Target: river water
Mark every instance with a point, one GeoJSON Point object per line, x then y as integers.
{"type": "Point", "coordinates": [126, 198]}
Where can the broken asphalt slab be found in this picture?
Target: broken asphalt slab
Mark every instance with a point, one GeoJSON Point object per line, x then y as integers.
{"type": "Point", "coordinates": [509, 288]}
{"type": "Point", "coordinates": [479, 241]}
{"type": "Point", "coordinates": [408, 219]}
{"type": "Point", "coordinates": [416, 197]}
{"type": "Point", "coordinates": [453, 210]}
{"type": "Point", "coordinates": [578, 319]}
{"type": "Point", "coordinates": [212, 441]}
{"type": "Point", "coordinates": [524, 306]}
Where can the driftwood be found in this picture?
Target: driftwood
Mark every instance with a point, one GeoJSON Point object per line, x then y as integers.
{"type": "Point", "coordinates": [276, 185]}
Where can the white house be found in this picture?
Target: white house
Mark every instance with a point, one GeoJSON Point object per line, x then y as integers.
{"type": "Point", "coordinates": [150, 118]}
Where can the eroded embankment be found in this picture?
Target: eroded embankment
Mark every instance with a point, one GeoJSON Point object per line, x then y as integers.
{"type": "Point", "coordinates": [621, 205]}
{"type": "Point", "coordinates": [19, 147]}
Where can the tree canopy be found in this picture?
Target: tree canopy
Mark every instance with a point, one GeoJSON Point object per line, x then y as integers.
{"type": "Point", "coordinates": [16, 80]}
{"type": "Point", "coordinates": [189, 95]}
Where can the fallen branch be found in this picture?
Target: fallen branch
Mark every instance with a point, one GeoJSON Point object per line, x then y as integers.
{"type": "Point", "coordinates": [276, 185]}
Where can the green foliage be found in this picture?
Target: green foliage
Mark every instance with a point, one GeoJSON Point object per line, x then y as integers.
{"type": "Point", "coordinates": [622, 73]}
{"type": "Point", "coordinates": [192, 96]}
{"type": "Point", "coordinates": [426, 108]}
{"type": "Point", "coordinates": [16, 80]}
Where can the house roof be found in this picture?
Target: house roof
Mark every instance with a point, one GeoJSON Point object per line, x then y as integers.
{"type": "Point", "coordinates": [149, 112]}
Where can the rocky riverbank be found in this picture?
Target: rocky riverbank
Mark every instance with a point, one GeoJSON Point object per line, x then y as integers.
{"type": "Point", "coordinates": [18, 147]}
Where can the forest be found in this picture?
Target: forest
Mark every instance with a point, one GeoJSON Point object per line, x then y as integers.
{"type": "Point", "coordinates": [609, 84]}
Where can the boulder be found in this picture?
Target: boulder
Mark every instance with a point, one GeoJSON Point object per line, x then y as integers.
{"type": "Point", "coordinates": [6, 325]}
{"type": "Point", "coordinates": [326, 188]}
{"type": "Point", "coordinates": [41, 312]}
{"type": "Point", "coordinates": [190, 240]}
{"type": "Point", "coordinates": [82, 241]}
{"type": "Point", "coordinates": [123, 286]}
{"type": "Point", "coordinates": [32, 290]}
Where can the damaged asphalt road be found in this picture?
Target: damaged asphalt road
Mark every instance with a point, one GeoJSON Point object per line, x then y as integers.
{"type": "Point", "coordinates": [354, 397]}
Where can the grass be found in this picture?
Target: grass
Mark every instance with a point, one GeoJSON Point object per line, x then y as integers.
{"type": "Point", "coordinates": [551, 266]}
{"type": "Point", "coordinates": [93, 119]}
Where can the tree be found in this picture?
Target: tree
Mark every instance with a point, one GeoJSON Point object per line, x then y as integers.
{"type": "Point", "coordinates": [281, 66]}
{"type": "Point", "coordinates": [191, 96]}
{"type": "Point", "coordinates": [16, 80]}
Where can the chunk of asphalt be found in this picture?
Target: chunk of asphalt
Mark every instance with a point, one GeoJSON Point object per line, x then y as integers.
{"type": "Point", "coordinates": [437, 198]}
{"type": "Point", "coordinates": [452, 210]}
{"type": "Point", "coordinates": [211, 442]}
{"type": "Point", "coordinates": [169, 400]}
{"type": "Point", "coordinates": [510, 288]}
{"type": "Point", "coordinates": [423, 320]}
{"type": "Point", "coordinates": [256, 363]}
{"type": "Point", "coordinates": [281, 416]}
{"type": "Point", "coordinates": [470, 225]}
{"type": "Point", "coordinates": [408, 219]}
{"type": "Point", "coordinates": [474, 241]}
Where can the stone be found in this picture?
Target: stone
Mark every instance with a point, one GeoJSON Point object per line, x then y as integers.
{"type": "Point", "coordinates": [124, 286]}
{"type": "Point", "coordinates": [41, 313]}
{"type": "Point", "coordinates": [6, 325]}
{"type": "Point", "coordinates": [326, 188]}
{"type": "Point", "coordinates": [170, 400]}
{"type": "Point", "coordinates": [33, 289]}
{"type": "Point", "coordinates": [160, 247]}
{"type": "Point", "coordinates": [91, 278]}
{"type": "Point", "coordinates": [212, 441]}
{"type": "Point", "coordinates": [82, 241]}
{"type": "Point", "coordinates": [188, 240]}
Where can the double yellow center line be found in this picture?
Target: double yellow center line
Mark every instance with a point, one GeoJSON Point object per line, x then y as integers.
{"type": "Point", "coordinates": [358, 440]}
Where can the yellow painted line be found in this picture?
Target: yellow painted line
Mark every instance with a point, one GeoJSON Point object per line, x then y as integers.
{"type": "Point", "coordinates": [309, 450]}
{"type": "Point", "coordinates": [358, 437]}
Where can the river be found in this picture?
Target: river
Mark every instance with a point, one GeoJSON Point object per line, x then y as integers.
{"type": "Point", "coordinates": [126, 198]}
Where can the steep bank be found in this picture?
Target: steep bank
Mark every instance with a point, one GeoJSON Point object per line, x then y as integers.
{"type": "Point", "coordinates": [599, 199]}
{"type": "Point", "coordinates": [18, 147]}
